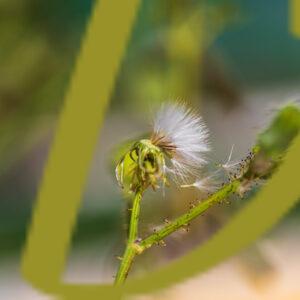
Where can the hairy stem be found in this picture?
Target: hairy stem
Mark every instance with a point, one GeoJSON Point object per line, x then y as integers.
{"type": "Point", "coordinates": [131, 247]}
{"type": "Point", "coordinates": [183, 220]}
{"type": "Point", "coordinates": [135, 247]}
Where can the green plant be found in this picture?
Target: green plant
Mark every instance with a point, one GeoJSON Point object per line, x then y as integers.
{"type": "Point", "coordinates": [175, 152]}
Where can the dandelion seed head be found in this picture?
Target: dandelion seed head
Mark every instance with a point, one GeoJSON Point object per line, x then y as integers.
{"type": "Point", "coordinates": [182, 135]}
{"type": "Point", "coordinates": [175, 150]}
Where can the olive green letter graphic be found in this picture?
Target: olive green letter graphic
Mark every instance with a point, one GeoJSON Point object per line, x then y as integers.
{"type": "Point", "coordinates": [294, 18]}
{"type": "Point", "coordinates": [60, 193]}
{"type": "Point", "coordinates": [78, 129]}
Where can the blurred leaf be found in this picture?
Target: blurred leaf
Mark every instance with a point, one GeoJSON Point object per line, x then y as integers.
{"type": "Point", "coordinates": [283, 129]}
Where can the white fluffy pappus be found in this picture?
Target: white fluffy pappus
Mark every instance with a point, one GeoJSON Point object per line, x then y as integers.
{"type": "Point", "coordinates": [181, 133]}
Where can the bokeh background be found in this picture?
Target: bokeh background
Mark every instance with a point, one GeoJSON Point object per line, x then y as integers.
{"type": "Point", "coordinates": [235, 60]}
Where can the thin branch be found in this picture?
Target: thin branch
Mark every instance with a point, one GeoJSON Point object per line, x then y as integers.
{"type": "Point", "coordinates": [183, 220]}
{"type": "Point", "coordinates": [134, 247]}
{"type": "Point", "coordinates": [130, 250]}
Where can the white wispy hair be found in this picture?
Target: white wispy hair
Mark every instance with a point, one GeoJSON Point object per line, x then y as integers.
{"type": "Point", "coordinates": [230, 166]}
{"type": "Point", "coordinates": [182, 134]}
{"type": "Point", "coordinates": [206, 184]}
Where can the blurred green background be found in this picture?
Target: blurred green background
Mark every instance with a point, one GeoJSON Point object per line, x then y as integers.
{"type": "Point", "coordinates": [234, 60]}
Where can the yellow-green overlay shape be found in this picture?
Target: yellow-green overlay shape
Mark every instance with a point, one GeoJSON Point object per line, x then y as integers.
{"type": "Point", "coordinates": [294, 20]}
{"type": "Point", "coordinates": [65, 174]}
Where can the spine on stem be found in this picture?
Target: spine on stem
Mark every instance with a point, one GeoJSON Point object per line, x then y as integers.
{"type": "Point", "coordinates": [131, 246]}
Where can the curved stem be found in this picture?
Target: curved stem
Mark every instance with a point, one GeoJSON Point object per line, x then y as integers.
{"type": "Point", "coordinates": [131, 247]}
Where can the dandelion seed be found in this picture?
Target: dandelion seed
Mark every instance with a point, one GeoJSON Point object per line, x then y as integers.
{"type": "Point", "coordinates": [206, 184]}
{"type": "Point", "coordinates": [230, 166]}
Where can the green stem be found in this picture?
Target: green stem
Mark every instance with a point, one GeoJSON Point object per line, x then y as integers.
{"type": "Point", "coordinates": [134, 247]}
{"type": "Point", "coordinates": [131, 249]}
{"type": "Point", "coordinates": [183, 220]}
